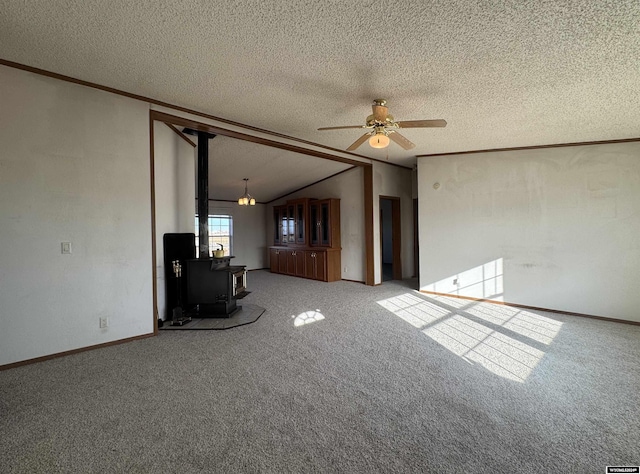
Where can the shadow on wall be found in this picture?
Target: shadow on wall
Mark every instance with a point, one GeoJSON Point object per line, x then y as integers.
{"type": "Point", "coordinates": [483, 281]}
{"type": "Point", "coordinates": [506, 341]}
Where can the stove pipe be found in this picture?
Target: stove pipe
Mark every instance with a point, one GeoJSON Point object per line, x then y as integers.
{"type": "Point", "coordinates": [203, 190]}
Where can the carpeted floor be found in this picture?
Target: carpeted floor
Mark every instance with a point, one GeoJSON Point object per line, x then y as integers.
{"type": "Point", "coordinates": [337, 377]}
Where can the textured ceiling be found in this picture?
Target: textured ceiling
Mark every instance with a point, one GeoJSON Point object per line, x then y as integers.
{"type": "Point", "coordinates": [502, 73]}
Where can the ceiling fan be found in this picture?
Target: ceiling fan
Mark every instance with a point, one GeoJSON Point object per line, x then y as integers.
{"type": "Point", "coordinates": [384, 127]}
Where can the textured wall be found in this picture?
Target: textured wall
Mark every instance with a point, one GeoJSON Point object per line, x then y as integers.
{"type": "Point", "coordinates": [174, 165]}
{"type": "Point", "coordinates": [74, 167]}
{"type": "Point", "coordinates": [559, 227]}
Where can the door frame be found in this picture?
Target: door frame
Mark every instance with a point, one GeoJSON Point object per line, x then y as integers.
{"type": "Point", "coordinates": [416, 242]}
{"type": "Point", "coordinates": [396, 235]}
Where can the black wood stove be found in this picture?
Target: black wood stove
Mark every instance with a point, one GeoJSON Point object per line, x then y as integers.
{"type": "Point", "coordinates": [214, 286]}
{"type": "Point", "coordinates": [206, 287]}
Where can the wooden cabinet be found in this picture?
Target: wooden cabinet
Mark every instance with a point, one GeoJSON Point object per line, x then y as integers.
{"type": "Point", "coordinates": [291, 222]}
{"type": "Point", "coordinates": [301, 211]}
{"type": "Point", "coordinates": [295, 263]}
{"type": "Point", "coordinates": [324, 214]}
{"type": "Point", "coordinates": [286, 261]}
{"type": "Point", "coordinates": [316, 265]}
{"type": "Point", "coordinates": [283, 223]}
{"type": "Point", "coordinates": [274, 260]}
{"type": "Point", "coordinates": [306, 239]}
{"type": "Point", "coordinates": [276, 228]}
{"type": "Point", "coordinates": [282, 261]}
{"type": "Point", "coordinates": [314, 230]}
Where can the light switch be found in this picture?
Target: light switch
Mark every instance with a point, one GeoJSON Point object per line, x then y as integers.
{"type": "Point", "coordinates": [66, 247]}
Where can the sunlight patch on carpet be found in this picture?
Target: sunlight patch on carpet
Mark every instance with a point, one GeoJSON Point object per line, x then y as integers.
{"type": "Point", "coordinates": [487, 334]}
{"type": "Point", "coordinates": [528, 324]}
{"type": "Point", "coordinates": [414, 310]}
{"type": "Point", "coordinates": [498, 353]}
{"type": "Point", "coordinates": [307, 317]}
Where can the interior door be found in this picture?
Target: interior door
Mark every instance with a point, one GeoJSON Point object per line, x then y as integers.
{"type": "Point", "coordinates": [416, 246]}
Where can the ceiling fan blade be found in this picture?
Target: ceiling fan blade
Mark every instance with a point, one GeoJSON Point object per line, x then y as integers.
{"type": "Point", "coordinates": [422, 123]}
{"type": "Point", "coordinates": [380, 112]}
{"type": "Point", "coordinates": [340, 128]}
{"type": "Point", "coordinates": [359, 142]}
{"type": "Point", "coordinates": [402, 141]}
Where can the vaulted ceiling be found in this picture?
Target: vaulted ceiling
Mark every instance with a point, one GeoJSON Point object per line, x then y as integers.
{"type": "Point", "coordinates": [502, 73]}
{"type": "Point", "coordinates": [272, 172]}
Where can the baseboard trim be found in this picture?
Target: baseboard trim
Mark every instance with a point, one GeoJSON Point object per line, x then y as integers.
{"type": "Point", "coordinates": [353, 281]}
{"type": "Point", "coordinates": [73, 351]}
{"type": "Point", "coordinates": [257, 269]}
{"type": "Point", "coordinates": [516, 305]}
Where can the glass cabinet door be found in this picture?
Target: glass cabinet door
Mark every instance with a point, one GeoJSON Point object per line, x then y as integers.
{"type": "Point", "coordinates": [284, 226]}
{"type": "Point", "coordinates": [300, 224]}
{"type": "Point", "coordinates": [313, 224]}
{"type": "Point", "coordinates": [276, 226]}
{"type": "Point", "coordinates": [324, 224]}
{"type": "Point", "coordinates": [291, 221]}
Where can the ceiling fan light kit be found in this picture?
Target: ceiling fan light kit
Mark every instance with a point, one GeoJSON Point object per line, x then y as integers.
{"type": "Point", "coordinates": [379, 140]}
{"type": "Point", "coordinates": [384, 128]}
{"type": "Point", "coordinates": [246, 199]}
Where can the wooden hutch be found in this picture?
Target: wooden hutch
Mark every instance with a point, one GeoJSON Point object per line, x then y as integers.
{"type": "Point", "coordinates": [306, 239]}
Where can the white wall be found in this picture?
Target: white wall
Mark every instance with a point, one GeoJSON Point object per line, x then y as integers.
{"type": "Point", "coordinates": [185, 166]}
{"type": "Point", "coordinates": [74, 167]}
{"type": "Point", "coordinates": [174, 169]}
{"type": "Point", "coordinates": [249, 232]}
{"type": "Point", "coordinates": [393, 181]}
{"type": "Point", "coordinates": [553, 228]}
{"type": "Point", "coordinates": [349, 188]}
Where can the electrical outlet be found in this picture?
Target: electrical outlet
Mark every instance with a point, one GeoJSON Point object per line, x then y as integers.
{"type": "Point", "coordinates": [66, 248]}
{"type": "Point", "coordinates": [104, 322]}
{"type": "Point", "coordinates": [345, 269]}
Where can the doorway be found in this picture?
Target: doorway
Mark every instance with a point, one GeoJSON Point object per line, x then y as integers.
{"type": "Point", "coordinates": [416, 246]}
{"type": "Point", "coordinates": [390, 238]}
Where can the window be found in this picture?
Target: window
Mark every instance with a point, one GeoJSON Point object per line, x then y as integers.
{"type": "Point", "coordinates": [220, 232]}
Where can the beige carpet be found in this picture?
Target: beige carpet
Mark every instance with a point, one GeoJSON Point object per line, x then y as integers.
{"type": "Point", "coordinates": [337, 377]}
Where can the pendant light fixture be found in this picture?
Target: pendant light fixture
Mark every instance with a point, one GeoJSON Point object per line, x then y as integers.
{"type": "Point", "coordinates": [246, 199]}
